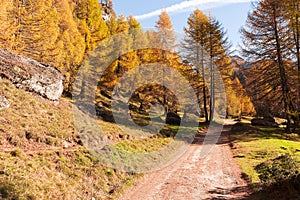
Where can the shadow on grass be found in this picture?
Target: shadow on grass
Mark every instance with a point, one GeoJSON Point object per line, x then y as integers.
{"type": "Point", "coordinates": [247, 133]}
{"type": "Point", "coordinates": [287, 190]}
{"type": "Point", "coordinates": [141, 119]}
{"type": "Point", "coordinates": [7, 191]}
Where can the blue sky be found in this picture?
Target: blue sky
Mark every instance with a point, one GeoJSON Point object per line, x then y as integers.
{"type": "Point", "coordinates": [231, 13]}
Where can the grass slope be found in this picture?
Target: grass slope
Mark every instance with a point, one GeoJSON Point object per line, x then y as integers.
{"type": "Point", "coordinates": [41, 156]}
{"type": "Point", "coordinates": [254, 145]}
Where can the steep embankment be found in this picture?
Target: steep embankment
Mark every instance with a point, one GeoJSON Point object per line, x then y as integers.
{"type": "Point", "coordinates": [41, 156]}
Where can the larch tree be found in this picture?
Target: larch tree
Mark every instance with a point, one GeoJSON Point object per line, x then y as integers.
{"type": "Point", "coordinates": [73, 51]}
{"type": "Point", "coordinates": [292, 14]}
{"type": "Point", "coordinates": [8, 26]}
{"type": "Point", "coordinates": [93, 29]}
{"type": "Point", "coordinates": [205, 47]}
{"type": "Point", "coordinates": [136, 32]}
{"type": "Point", "coordinates": [57, 32]}
{"type": "Point", "coordinates": [139, 40]}
{"type": "Point", "coordinates": [193, 46]}
{"type": "Point", "coordinates": [166, 38]}
{"type": "Point", "coordinates": [39, 31]}
{"type": "Point", "coordinates": [217, 48]}
{"type": "Point", "coordinates": [165, 41]}
{"type": "Point", "coordinates": [120, 47]}
{"type": "Point", "coordinates": [128, 58]}
{"type": "Point", "coordinates": [266, 39]}
{"type": "Point", "coordinates": [92, 26]}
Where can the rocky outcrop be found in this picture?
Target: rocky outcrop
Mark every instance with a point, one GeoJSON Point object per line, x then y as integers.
{"type": "Point", "coordinates": [31, 75]}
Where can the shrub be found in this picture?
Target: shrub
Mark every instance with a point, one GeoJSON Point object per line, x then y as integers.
{"type": "Point", "coordinates": [279, 170]}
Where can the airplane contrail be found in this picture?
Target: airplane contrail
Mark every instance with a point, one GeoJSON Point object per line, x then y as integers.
{"type": "Point", "coordinates": [188, 6]}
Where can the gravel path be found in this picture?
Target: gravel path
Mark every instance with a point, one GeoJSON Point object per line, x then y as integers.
{"type": "Point", "coordinates": [216, 176]}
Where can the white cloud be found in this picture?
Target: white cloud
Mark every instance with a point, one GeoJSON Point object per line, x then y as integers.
{"type": "Point", "coordinates": [189, 5]}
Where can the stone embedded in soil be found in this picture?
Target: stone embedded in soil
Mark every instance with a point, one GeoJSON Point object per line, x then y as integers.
{"type": "Point", "coordinates": [31, 75]}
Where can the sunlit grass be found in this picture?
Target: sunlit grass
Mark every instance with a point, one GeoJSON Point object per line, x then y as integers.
{"type": "Point", "coordinates": [252, 146]}
{"type": "Point", "coordinates": [35, 164]}
{"type": "Point", "coordinates": [144, 145]}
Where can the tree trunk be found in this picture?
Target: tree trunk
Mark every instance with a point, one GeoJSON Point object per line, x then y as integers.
{"type": "Point", "coordinates": [212, 88]}
{"type": "Point", "coordinates": [212, 91]}
{"type": "Point", "coordinates": [297, 38]}
{"type": "Point", "coordinates": [283, 79]}
{"type": "Point", "coordinates": [204, 85]}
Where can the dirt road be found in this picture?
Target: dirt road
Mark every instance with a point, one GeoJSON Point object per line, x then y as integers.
{"type": "Point", "coordinates": [216, 176]}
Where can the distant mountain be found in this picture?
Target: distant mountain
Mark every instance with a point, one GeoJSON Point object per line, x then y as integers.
{"type": "Point", "coordinates": [241, 62]}
{"type": "Point", "coordinates": [239, 66]}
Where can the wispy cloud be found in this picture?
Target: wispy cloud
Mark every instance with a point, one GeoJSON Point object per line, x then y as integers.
{"type": "Point", "coordinates": [189, 5]}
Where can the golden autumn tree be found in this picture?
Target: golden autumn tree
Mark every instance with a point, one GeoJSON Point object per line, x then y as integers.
{"type": "Point", "coordinates": [38, 30]}
{"type": "Point", "coordinates": [61, 33]}
{"type": "Point", "coordinates": [193, 47]}
{"type": "Point", "coordinates": [206, 46]}
{"type": "Point", "coordinates": [266, 38]}
{"type": "Point", "coordinates": [217, 48]}
{"type": "Point", "coordinates": [91, 26]}
{"type": "Point", "coordinates": [73, 51]}
{"type": "Point", "coordinates": [8, 25]}
{"type": "Point", "coordinates": [165, 43]}
{"type": "Point", "coordinates": [292, 15]}
{"type": "Point", "coordinates": [166, 38]}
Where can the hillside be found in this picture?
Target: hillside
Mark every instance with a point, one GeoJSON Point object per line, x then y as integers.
{"type": "Point", "coordinates": [41, 156]}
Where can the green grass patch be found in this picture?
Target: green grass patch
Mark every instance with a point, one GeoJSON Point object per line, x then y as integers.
{"type": "Point", "coordinates": [254, 145]}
